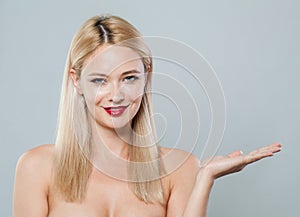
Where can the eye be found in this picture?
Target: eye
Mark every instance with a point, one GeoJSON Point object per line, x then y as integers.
{"type": "Point", "coordinates": [131, 78]}
{"type": "Point", "coordinates": [98, 80]}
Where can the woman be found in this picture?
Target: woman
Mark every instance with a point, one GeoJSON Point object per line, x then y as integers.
{"type": "Point", "coordinates": [106, 161]}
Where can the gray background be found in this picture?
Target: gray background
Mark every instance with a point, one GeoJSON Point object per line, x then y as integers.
{"type": "Point", "coordinates": [252, 45]}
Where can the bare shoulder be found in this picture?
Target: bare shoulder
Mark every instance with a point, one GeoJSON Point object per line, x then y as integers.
{"type": "Point", "coordinates": [182, 167]}
{"type": "Point", "coordinates": [32, 181]}
{"type": "Point", "coordinates": [36, 161]}
{"type": "Point", "coordinates": [179, 162]}
{"type": "Point", "coordinates": [38, 155]}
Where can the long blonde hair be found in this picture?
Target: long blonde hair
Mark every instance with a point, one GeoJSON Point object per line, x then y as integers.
{"type": "Point", "coordinates": [72, 167]}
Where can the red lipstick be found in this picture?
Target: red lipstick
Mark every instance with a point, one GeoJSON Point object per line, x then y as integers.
{"type": "Point", "coordinates": [116, 110]}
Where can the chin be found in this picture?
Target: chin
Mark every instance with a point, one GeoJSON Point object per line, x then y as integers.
{"type": "Point", "coordinates": [116, 124]}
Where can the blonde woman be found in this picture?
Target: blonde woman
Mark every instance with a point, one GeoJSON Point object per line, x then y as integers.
{"type": "Point", "coordinates": [106, 161]}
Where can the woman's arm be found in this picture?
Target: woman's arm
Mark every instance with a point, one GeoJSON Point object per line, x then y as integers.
{"type": "Point", "coordinates": [217, 167]}
{"type": "Point", "coordinates": [196, 204]}
{"type": "Point", "coordinates": [198, 200]}
{"type": "Point", "coordinates": [31, 183]}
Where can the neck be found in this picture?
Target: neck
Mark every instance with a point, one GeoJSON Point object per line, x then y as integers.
{"type": "Point", "coordinates": [115, 141]}
{"type": "Point", "coordinates": [110, 150]}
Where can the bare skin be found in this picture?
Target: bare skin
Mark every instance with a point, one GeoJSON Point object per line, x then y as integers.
{"type": "Point", "coordinates": [105, 195]}
{"type": "Point", "coordinates": [186, 189]}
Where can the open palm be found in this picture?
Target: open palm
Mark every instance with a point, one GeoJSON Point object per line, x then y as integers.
{"type": "Point", "coordinates": [234, 162]}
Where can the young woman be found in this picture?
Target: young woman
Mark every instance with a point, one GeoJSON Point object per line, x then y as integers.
{"type": "Point", "coordinates": [106, 161]}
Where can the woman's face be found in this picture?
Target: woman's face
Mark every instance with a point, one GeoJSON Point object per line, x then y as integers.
{"type": "Point", "coordinates": [112, 83]}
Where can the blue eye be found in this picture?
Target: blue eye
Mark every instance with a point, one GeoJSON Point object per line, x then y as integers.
{"type": "Point", "coordinates": [131, 78]}
{"type": "Point", "coordinates": [98, 80]}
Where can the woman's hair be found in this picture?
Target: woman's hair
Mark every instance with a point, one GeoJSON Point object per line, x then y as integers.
{"type": "Point", "coordinates": [73, 142]}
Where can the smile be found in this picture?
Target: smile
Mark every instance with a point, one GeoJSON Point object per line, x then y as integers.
{"type": "Point", "coordinates": [115, 111]}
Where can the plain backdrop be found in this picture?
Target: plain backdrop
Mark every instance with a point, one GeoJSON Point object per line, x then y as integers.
{"type": "Point", "coordinates": [253, 45]}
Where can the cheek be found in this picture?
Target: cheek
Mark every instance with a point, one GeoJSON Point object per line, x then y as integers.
{"type": "Point", "coordinates": [135, 106]}
{"type": "Point", "coordinates": [135, 98]}
{"type": "Point", "coordinates": [91, 95]}
{"type": "Point", "coordinates": [134, 93]}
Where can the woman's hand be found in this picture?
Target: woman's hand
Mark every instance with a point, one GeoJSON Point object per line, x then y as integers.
{"type": "Point", "coordinates": [235, 161]}
{"type": "Point", "coordinates": [216, 167]}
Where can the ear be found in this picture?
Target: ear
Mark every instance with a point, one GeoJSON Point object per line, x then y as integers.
{"type": "Point", "coordinates": [75, 79]}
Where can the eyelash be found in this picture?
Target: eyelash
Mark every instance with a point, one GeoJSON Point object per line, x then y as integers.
{"type": "Point", "coordinates": [130, 78]}
{"type": "Point", "coordinates": [98, 80]}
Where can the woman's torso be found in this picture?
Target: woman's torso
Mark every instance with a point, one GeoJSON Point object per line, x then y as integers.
{"type": "Point", "coordinates": [106, 197]}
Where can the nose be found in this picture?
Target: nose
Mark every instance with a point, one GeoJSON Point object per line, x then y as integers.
{"type": "Point", "coordinates": [115, 94]}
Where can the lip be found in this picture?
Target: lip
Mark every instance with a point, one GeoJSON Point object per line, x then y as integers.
{"type": "Point", "coordinates": [115, 110]}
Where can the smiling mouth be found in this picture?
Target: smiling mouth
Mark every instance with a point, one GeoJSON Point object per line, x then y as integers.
{"type": "Point", "coordinates": [115, 110]}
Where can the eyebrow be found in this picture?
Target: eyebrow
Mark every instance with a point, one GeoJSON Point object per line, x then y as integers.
{"type": "Point", "coordinates": [133, 71]}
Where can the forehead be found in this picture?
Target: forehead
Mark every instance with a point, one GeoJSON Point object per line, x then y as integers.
{"type": "Point", "coordinates": [108, 59]}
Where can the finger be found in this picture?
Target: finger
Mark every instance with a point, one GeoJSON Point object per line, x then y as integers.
{"type": "Point", "coordinates": [275, 147]}
{"type": "Point", "coordinates": [251, 158]}
{"type": "Point", "coordinates": [235, 154]}
{"type": "Point", "coordinates": [276, 144]}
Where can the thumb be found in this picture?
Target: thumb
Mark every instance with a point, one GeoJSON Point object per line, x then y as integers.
{"type": "Point", "coordinates": [235, 154]}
